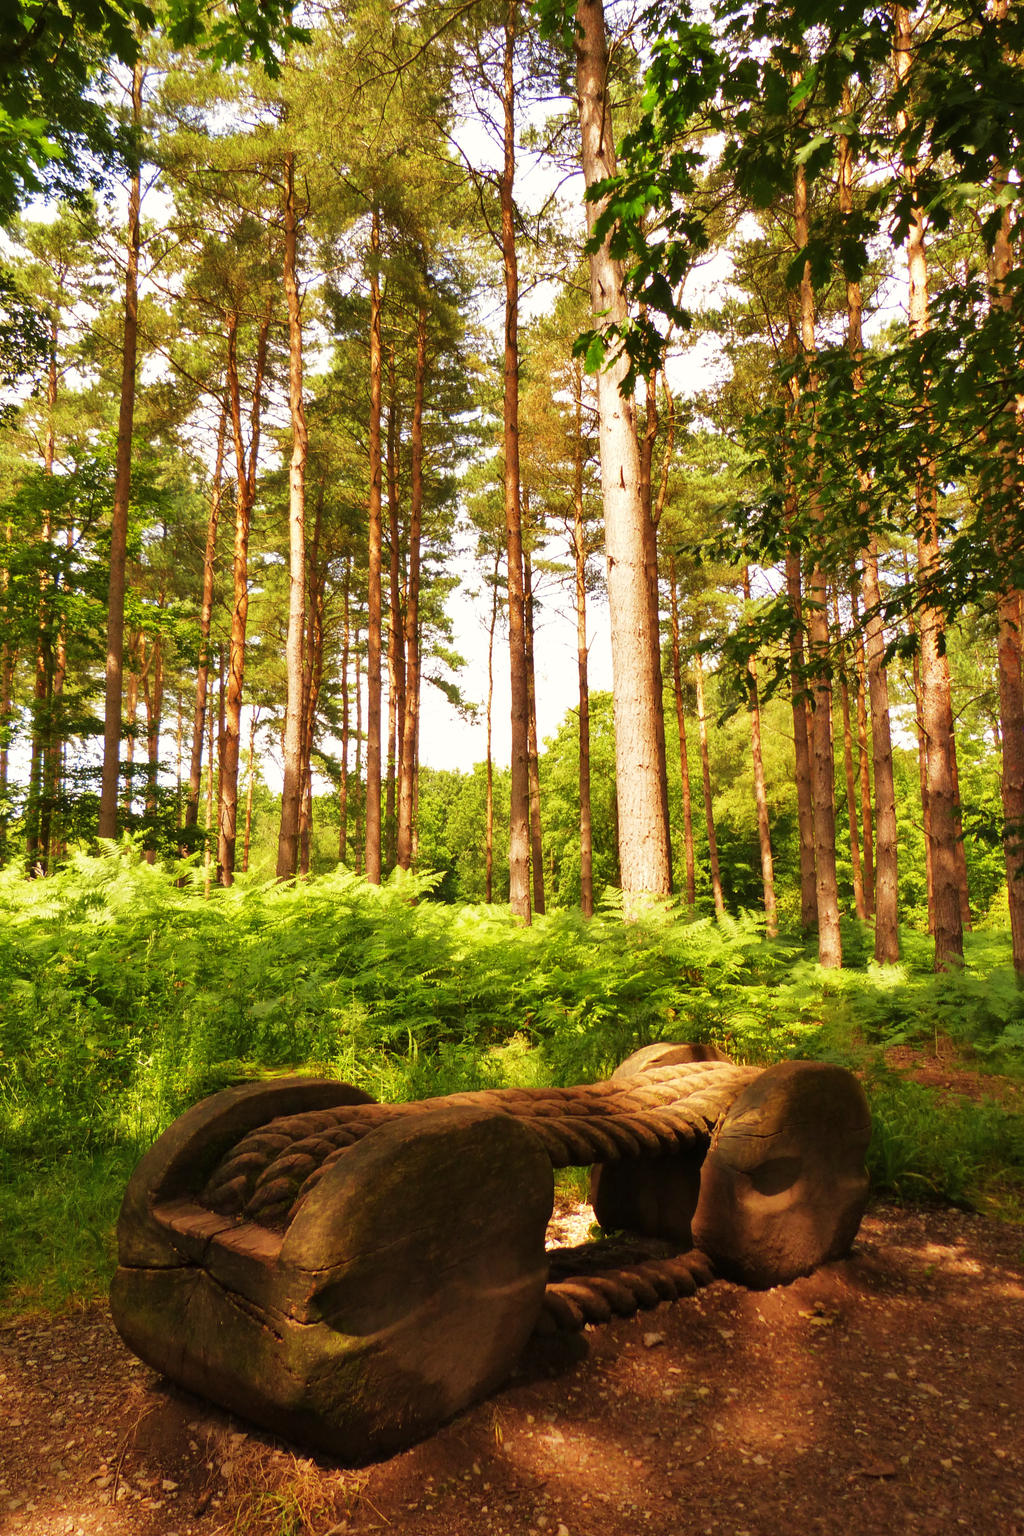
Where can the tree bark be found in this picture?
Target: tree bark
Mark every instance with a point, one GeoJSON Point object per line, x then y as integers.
{"type": "Point", "coordinates": [519, 816]}
{"type": "Point", "coordinates": [582, 655]}
{"type": "Point", "coordinates": [411, 715]}
{"type": "Point", "coordinates": [205, 623]}
{"type": "Point", "coordinates": [489, 807]}
{"type": "Point", "coordinates": [830, 950]}
{"type": "Point", "coordinates": [343, 782]}
{"type": "Point", "coordinates": [760, 792]}
{"type": "Point", "coordinates": [396, 627]}
{"type": "Point", "coordinates": [851, 783]}
{"type": "Point", "coordinates": [705, 764]}
{"type": "Point", "coordinates": [291, 794]}
{"type": "Point", "coordinates": [107, 826]}
{"type": "Point", "coordinates": [643, 844]}
{"type": "Point", "coordinates": [684, 761]}
{"type": "Point", "coordinates": [887, 942]}
{"type": "Point", "coordinates": [375, 556]}
{"type": "Point", "coordinates": [312, 676]}
{"type": "Point", "coordinates": [250, 783]}
{"type": "Point", "coordinates": [536, 843]}
{"type": "Point", "coordinates": [936, 704]}
{"type": "Point", "coordinates": [245, 490]}
{"type": "Point", "coordinates": [863, 770]}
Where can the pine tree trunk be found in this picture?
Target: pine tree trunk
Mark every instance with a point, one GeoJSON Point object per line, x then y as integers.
{"type": "Point", "coordinates": [343, 782]}
{"type": "Point", "coordinates": [489, 808]}
{"type": "Point", "coordinates": [153, 697]}
{"type": "Point", "coordinates": [582, 653]}
{"type": "Point", "coordinates": [245, 490]}
{"type": "Point", "coordinates": [251, 780]}
{"type": "Point", "coordinates": [519, 818]}
{"type": "Point", "coordinates": [411, 714]}
{"type": "Point", "coordinates": [684, 761]}
{"type": "Point", "coordinates": [396, 630]}
{"type": "Point", "coordinates": [107, 826]}
{"type": "Point", "coordinates": [360, 795]}
{"type": "Point", "coordinates": [830, 950]}
{"type": "Point", "coordinates": [536, 843]}
{"type": "Point", "coordinates": [863, 769]}
{"type": "Point", "coordinates": [798, 687]}
{"type": "Point", "coordinates": [760, 792]}
{"type": "Point", "coordinates": [643, 845]}
{"type": "Point", "coordinates": [205, 622]}
{"type": "Point", "coordinates": [705, 764]}
{"type": "Point", "coordinates": [291, 794]}
{"type": "Point", "coordinates": [851, 783]}
{"type": "Point", "coordinates": [312, 676]}
{"type": "Point", "coordinates": [208, 850]}
{"type": "Point", "coordinates": [936, 703]}
{"type": "Point", "coordinates": [887, 941]}
{"type": "Point", "coordinates": [1011, 686]}
{"type": "Point", "coordinates": [375, 558]}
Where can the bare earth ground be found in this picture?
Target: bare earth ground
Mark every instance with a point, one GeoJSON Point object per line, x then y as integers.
{"type": "Point", "coordinates": [884, 1394]}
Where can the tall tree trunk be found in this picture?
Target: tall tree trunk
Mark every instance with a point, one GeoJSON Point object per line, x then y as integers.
{"type": "Point", "coordinates": [312, 675]}
{"type": "Point", "coordinates": [519, 815]}
{"type": "Point", "coordinates": [798, 686]}
{"type": "Point", "coordinates": [851, 783]}
{"type": "Point", "coordinates": [205, 622]}
{"type": "Point", "coordinates": [536, 843]}
{"type": "Point", "coordinates": [643, 844]}
{"type": "Point", "coordinates": [936, 704]}
{"type": "Point", "coordinates": [291, 794]}
{"type": "Point", "coordinates": [250, 783]}
{"type": "Point", "coordinates": [208, 851]}
{"type": "Point", "coordinates": [396, 627]}
{"type": "Point", "coordinates": [411, 714]}
{"type": "Point", "coordinates": [705, 764]}
{"type": "Point", "coordinates": [373, 640]}
{"type": "Point", "coordinates": [582, 654]}
{"type": "Point", "coordinates": [489, 807]}
{"type": "Point", "coordinates": [245, 491]}
{"type": "Point", "coordinates": [107, 826]}
{"type": "Point", "coordinates": [830, 950]}
{"type": "Point", "coordinates": [684, 761]}
{"type": "Point", "coordinates": [653, 508]}
{"type": "Point", "coordinates": [1006, 494]}
{"type": "Point", "coordinates": [885, 884]}
{"type": "Point", "coordinates": [153, 698]}
{"type": "Point", "coordinates": [863, 769]}
{"type": "Point", "coordinates": [343, 781]}
{"type": "Point", "coordinates": [360, 796]}
{"type": "Point", "coordinates": [760, 792]}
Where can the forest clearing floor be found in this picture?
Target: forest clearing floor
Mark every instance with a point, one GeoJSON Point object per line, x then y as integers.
{"type": "Point", "coordinates": [882, 1394]}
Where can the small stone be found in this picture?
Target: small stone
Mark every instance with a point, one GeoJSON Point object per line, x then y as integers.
{"type": "Point", "coordinates": [652, 1340]}
{"type": "Point", "coordinates": [168, 1486]}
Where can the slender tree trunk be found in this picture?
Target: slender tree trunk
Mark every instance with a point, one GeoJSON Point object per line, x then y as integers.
{"type": "Point", "coordinates": [205, 623]}
{"type": "Point", "coordinates": [131, 725]}
{"type": "Point", "coordinates": [760, 792]}
{"type": "Point", "coordinates": [519, 816]}
{"type": "Point", "coordinates": [643, 844]}
{"type": "Point", "coordinates": [291, 794]}
{"type": "Point", "coordinates": [250, 783]}
{"type": "Point", "coordinates": [582, 655]}
{"type": "Point", "coordinates": [863, 769]}
{"type": "Point", "coordinates": [373, 639]}
{"type": "Point", "coordinates": [153, 697]}
{"type": "Point", "coordinates": [684, 761]}
{"type": "Point", "coordinates": [705, 764]}
{"type": "Point", "coordinates": [652, 517]}
{"type": "Point", "coordinates": [489, 808]}
{"type": "Point", "coordinates": [396, 629]}
{"type": "Point", "coordinates": [936, 704]}
{"type": "Point", "coordinates": [411, 715]}
{"type": "Point", "coordinates": [227, 809]}
{"type": "Point", "coordinates": [536, 843]}
{"type": "Point", "coordinates": [360, 798]}
{"type": "Point", "coordinates": [312, 675]}
{"type": "Point", "coordinates": [1006, 494]}
{"type": "Point", "coordinates": [122, 486]}
{"type": "Point", "coordinates": [798, 687]}
{"type": "Point", "coordinates": [830, 950]}
{"type": "Point", "coordinates": [343, 782]}
{"type": "Point", "coordinates": [851, 783]}
{"type": "Point", "coordinates": [208, 851]}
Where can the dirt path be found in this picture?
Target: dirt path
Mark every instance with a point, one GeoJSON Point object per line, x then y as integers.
{"type": "Point", "coordinates": [883, 1395]}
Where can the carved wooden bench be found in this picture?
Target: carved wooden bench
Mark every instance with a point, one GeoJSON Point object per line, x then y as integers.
{"type": "Point", "coordinates": [351, 1274]}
